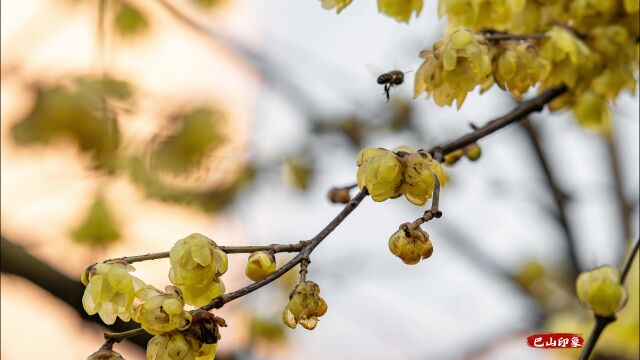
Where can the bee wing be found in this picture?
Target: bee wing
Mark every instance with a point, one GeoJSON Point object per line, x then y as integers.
{"type": "Point", "coordinates": [374, 70]}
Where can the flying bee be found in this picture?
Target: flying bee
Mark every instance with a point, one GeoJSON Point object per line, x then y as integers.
{"type": "Point", "coordinates": [391, 79]}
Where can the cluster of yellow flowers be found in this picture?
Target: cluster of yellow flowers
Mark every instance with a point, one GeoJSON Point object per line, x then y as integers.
{"type": "Point", "coordinates": [305, 306]}
{"type": "Point", "coordinates": [401, 10]}
{"type": "Point", "coordinates": [196, 266]}
{"type": "Point", "coordinates": [387, 174]}
{"type": "Point", "coordinates": [456, 65]}
{"type": "Point", "coordinates": [588, 45]}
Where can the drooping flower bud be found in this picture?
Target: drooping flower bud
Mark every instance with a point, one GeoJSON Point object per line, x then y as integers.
{"type": "Point", "coordinates": [305, 306]}
{"type": "Point", "coordinates": [410, 246]}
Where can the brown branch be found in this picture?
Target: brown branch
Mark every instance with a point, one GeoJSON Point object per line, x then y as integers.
{"type": "Point", "coordinates": [559, 197]}
{"type": "Point", "coordinates": [517, 114]}
{"type": "Point", "coordinates": [432, 213]}
{"type": "Point", "coordinates": [520, 112]}
{"type": "Point", "coordinates": [308, 248]}
{"type": "Point", "coordinates": [603, 321]}
{"type": "Point", "coordinates": [15, 260]}
{"type": "Point", "coordinates": [275, 248]}
{"type": "Point", "coordinates": [624, 207]}
{"type": "Point", "coordinates": [503, 36]}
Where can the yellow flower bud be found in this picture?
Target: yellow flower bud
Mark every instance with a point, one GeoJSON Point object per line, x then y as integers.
{"type": "Point", "coordinates": [260, 265]}
{"type": "Point", "coordinates": [110, 291]}
{"type": "Point", "coordinates": [305, 306]}
{"type": "Point", "coordinates": [453, 157]}
{"type": "Point", "coordinates": [339, 195]}
{"type": "Point", "coordinates": [380, 171]}
{"type": "Point", "coordinates": [600, 290]}
{"type": "Point", "coordinates": [196, 265]}
{"type": "Point", "coordinates": [161, 312]}
{"type": "Point", "coordinates": [410, 246]}
{"type": "Point", "coordinates": [472, 151]}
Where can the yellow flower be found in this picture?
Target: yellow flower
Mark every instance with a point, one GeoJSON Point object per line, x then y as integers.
{"type": "Point", "coordinates": [380, 170]}
{"type": "Point", "coordinates": [587, 14]}
{"type": "Point", "coordinates": [420, 173]}
{"type": "Point", "coordinates": [161, 312]}
{"type": "Point", "coordinates": [600, 290]}
{"type": "Point", "coordinates": [570, 60]}
{"type": "Point", "coordinates": [518, 67]}
{"type": "Point", "coordinates": [457, 64]}
{"type": "Point", "coordinates": [591, 111]}
{"type": "Point", "coordinates": [477, 15]}
{"type": "Point", "coordinates": [196, 265]}
{"type": "Point", "coordinates": [400, 10]}
{"type": "Point", "coordinates": [305, 306]}
{"type": "Point", "coordinates": [110, 291]}
{"type": "Point", "coordinates": [260, 265]}
{"type": "Point", "coordinates": [339, 5]}
{"type": "Point", "coordinates": [177, 346]}
{"type": "Point", "coordinates": [410, 248]}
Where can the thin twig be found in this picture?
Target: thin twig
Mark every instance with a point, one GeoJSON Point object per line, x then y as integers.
{"type": "Point", "coordinates": [559, 196]}
{"type": "Point", "coordinates": [518, 113]}
{"type": "Point", "coordinates": [304, 264]}
{"type": "Point", "coordinates": [275, 248]}
{"type": "Point", "coordinates": [624, 208]}
{"type": "Point", "coordinates": [309, 247]}
{"type": "Point", "coordinates": [603, 321]}
{"type": "Point", "coordinates": [433, 212]}
{"type": "Point", "coordinates": [502, 36]}
{"type": "Point", "coordinates": [117, 337]}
